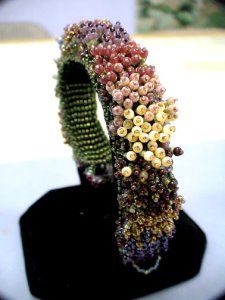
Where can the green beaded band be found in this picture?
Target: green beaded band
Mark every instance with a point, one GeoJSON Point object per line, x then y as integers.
{"type": "Point", "coordinates": [80, 125]}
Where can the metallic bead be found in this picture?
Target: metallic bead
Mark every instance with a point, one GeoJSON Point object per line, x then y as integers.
{"type": "Point", "coordinates": [128, 113]}
{"type": "Point", "coordinates": [146, 127]}
{"type": "Point", "coordinates": [136, 130]}
{"type": "Point", "coordinates": [148, 155]}
{"type": "Point", "coordinates": [138, 120]}
{"type": "Point", "coordinates": [154, 135]}
{"type": "Point", "coordinates": [164, 137]}
{"type": "Point", "coordinates": [131, 137]}
{"type": "Point", "coordinates": [160, 152]}
{"type": "Point", "coordinates": [122, 131]}
{"type": "Point", "coordinates": [126, 171]}
{"type": "Point", "coordinates": [157, 127]}
{"type": "Point", "coordinates": [137, 147]}
{"type": "Point", "coordinates": [167, 161]}
{"type": "Point", "coordinates": [144, 137]}
{"type": "Point", "coordinates": [128, 124]}
{"type": "Point", "coordinates": [131, 155]}
{"type": "Point", "coordinates": [152, 146]}
{"type": "Point", "coordinates": [141, 109]}
{"type": "Point", "coordinates": [156, 163]}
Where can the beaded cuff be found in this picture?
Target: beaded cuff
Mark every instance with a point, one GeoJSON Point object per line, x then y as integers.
{"type": "Point", "coordinates": [97, 56]}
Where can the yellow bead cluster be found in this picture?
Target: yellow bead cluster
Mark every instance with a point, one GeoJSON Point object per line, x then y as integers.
{"type": "Point", "coordinates": [146, 127]}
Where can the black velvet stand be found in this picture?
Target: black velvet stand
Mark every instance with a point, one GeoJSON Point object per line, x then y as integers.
{"type": "Point", "coordinates": [70, 251]}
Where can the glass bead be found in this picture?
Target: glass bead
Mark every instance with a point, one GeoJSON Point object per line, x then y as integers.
{"type": "Point", "coordinates": [145, 78]}
{"type": "Point", "coordinates": [149, 116]}
{"type": "Point", "coordinates": [124, 81]}
{"type": "Point", "coordinates": [131, 137]}
{"type": "Point", "coordinates": [171, 100]}
{"type": "Point", "coordinates": [143, 90]}
{"type": "Point", "coordinates": [153, 108]}
{"type": "Point", "coordinates": [134, 85]}
{"type": "Point", "coordinates": [136, 130]}
{"type": "Point", "coordinates": [117, 95]}
{"type": "Point", "coordinates": [137, 147]}
{"type": "Point", "coordinates": [117, 110]}
{"type": "Point", "coordinates": [160, 152]}
{"type": "Point", "coordinates": [164, 137]}
{"type": "Point", "coordinates": [167, 161]}
{"type": "Point", "coordinates": [126, 171]}
{"type": "Point", "coordinates": [161, 116]}
{"type": "Point", "coordinates": [125, 91]}
{"type": "Point", "coordinates": [118, 67]}
{"type": "Point", "coordinates": [131, 155]}
{"type": "Point", "coordinates": [154, 135]}
{"type": "Point", "coordinates": [156, 163]}
{"type": "Point", "coordinates": [128, 124]}
{"type": "Point", "coordinates": [128, 103]}
{"type": "Point", "coordinates": [110, 86]}
{"type": "Point", "coordinates": [169, 129]}
{"type": "Point", "coordinates": [144, 137]}
{"type": "Point", "coordinates": [157, 127]}
{"type": "Point", "coordinates": [138, 120]}
{"type": "Point", "coordinates": [122, 131]}
{"type": "Point", "coordinates": [143, 175]}
{"type": "Point", "coordinates": [146, 127]}
{"type": "Point", "coordinates": [144, 100]}
{"type": "Point", "coordinates": [141, 109]}
{"type": "Point", "coordinates": [161, 106]}
{"type": "Point", "coordinates": [134, 96]}
{"type": "Point", "coordinates": [128, 113]}
{"type": "Point", "coordinates": [148, 155]}
{"type": "Point", "coordinates": [134, 76]}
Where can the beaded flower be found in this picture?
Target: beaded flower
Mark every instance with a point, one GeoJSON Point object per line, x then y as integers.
{"type": "Point", "coordinates": [139, 126]}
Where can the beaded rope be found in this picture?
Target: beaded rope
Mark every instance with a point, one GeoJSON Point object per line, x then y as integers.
{"type": "Point", "coordinates": [97, 56]}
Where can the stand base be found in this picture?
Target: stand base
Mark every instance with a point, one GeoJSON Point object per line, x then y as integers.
{"type": "Point", "coordinates": [69, 249]}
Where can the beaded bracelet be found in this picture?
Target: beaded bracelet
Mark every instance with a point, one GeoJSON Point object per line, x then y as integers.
{"type": "Point", "coordinates": [97, 56]}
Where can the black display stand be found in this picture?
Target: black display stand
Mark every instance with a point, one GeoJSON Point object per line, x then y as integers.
{"type": "Point", "coordinates": [70, 251]}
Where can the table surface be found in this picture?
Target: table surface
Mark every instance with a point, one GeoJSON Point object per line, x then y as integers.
{"type": "Point", "coordinates": [34, 159]}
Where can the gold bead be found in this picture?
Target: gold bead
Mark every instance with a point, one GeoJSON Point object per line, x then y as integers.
{"type": "Point", "coordinates": [148, 155]}
{"type": "Point", "coordinates": [160, 152]}
{"type": "Point", "coordinates": [152, 146]}
{"type": "Point", "coordinates": [167, 161]}
{"type": "Point", "coordinates": [141, 109]}
{"type": "Point", "coordinates": [128, 113]}
{"type": "Point", "coordinates": [154, 135]}
{"type": "Point", "coordinates": [122, 131]}
{"type": "Point", "coordinates": [138, 120]}
{"type": "Point", "coordinates": [161, 106]}
{"type": "Point", "coordinates": [142, 153]}
{"type": "Point", "coordinates": [143, 176]}
{"type": "Point", "coordinates": [161, 116]}
{"type": "Point", "coordinates": [146, 127]}
{"type": "Point", "coordinates": [137, 147]}
{"type": "Point", "coordinates": [169, 129]}
{"type": "Point", "coordinates": [156, 163]}
{"type": "Point", "coordinates": [157, 127]}
{"type": "Point", "coordinates": [171, 100]}
{"type": "Point", "coordinates": [131, 155]}
{"type": "Point", "coordinates": [144, 137]}
{"type": "Point", "coordinates": [131, 137]}
{"type": "Point", "coordinates": [136, 130]}
{"type": "Point", "coordinates": [128, 124]}
{"type": "Point", "coordinates": [126, 171]}
{"type": "Point", "coordinates": [164, 137]}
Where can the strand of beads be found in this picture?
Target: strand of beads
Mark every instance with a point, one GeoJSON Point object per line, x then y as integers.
{"type": "Point", "coordinates": [139, 124]}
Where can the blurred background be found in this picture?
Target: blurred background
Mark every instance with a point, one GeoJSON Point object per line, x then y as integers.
{"type": "Point", "coordinates": [186, 42]}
